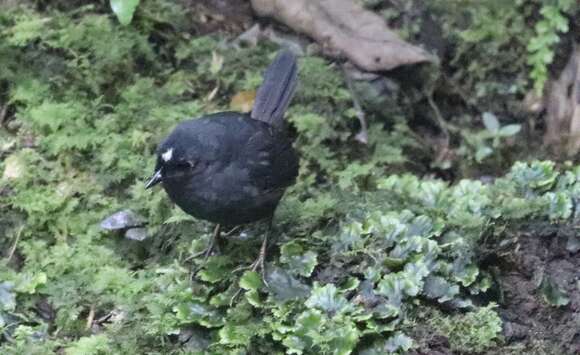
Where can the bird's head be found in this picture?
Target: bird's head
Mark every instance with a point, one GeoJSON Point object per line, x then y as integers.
{"type": "Point", "coordinates": [174, 162]}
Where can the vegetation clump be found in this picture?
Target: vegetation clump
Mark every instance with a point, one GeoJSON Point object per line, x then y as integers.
{"type": "Point", "coordinates": [362, 241]}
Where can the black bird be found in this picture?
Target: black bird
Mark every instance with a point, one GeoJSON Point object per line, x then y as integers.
{"type": "Point", "coordinates": [232, 168]}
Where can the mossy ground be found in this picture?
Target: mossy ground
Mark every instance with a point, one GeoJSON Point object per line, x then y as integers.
{"type": "Point", "coordinates": [368, 257]}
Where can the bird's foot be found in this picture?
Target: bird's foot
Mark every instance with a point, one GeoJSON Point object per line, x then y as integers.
{"type": "Point", "coordinates": [211, 248]}
{"type": "Point", "coordinates": [213, 244]}
{"type": "Point", "coordinates": [207, 252]}
{"type": "Point", "coordinates": [259, 263]}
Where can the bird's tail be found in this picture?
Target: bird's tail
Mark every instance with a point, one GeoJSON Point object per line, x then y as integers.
{"type": "Point", "coordinates": [277, 89]}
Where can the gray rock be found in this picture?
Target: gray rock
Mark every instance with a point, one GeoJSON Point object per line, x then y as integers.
{"type": "Point", "coordinates": [122, 220]}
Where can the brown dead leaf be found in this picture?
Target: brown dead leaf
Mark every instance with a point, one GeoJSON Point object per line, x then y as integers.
{"type": "Point", "coordinates": [344, 28]}
{"type": "Point", "coordinates": [562, 99]}
{"type": "Point", "coordinates": [243, 101]}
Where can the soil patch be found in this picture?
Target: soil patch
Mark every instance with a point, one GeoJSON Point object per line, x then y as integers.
{"type": "Point", "coordinates": [529, 319]}
{"type": "Point", "coordinates": [230, 17]}
{"type": "Point", "coordinates": [531, 325]}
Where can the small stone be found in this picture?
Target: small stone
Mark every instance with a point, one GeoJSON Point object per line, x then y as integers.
{"type": "Point", "coordinates": [138, 234]}
{"type": "Point", "coordinates": [122, 220]}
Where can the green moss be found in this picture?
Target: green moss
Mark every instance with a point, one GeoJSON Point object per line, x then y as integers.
{"type": "Point", "coordinates": [358, 247]}
{"type": "Point", "coordinates": [472, 332]}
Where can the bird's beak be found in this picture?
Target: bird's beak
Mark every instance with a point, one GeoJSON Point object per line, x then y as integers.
{"type": "Point", "coordinates": [155, 179]}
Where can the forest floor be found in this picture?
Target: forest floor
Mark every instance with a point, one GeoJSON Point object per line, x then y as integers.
{"type": "Point", "coordinates": [446, 228]}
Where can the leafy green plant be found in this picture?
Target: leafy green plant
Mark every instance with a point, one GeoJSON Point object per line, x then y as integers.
{"type": "Point", "coordinates": [359, 248]}
{"type": "Point", "coordinates": [553, 294]}
{"type": "Point", "coordinates": [483, 144]}
{"type": "Point", "coordinates": [488, 55]}
{"type": "Point", "coordinates": [124, 9]}
{"type": "Point", "coordinates": [541, 46]}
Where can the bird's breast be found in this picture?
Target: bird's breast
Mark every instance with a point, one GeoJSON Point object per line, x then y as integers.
{"type": "Point", "coordinates": [224, 194]}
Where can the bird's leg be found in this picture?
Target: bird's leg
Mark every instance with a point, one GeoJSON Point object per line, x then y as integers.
{"type": "Point", "coordinates": [207, 252]}
{"type": "Point", "coordinates": [213, 242]}
{"type": "Point", "coordinates": [259, 263]}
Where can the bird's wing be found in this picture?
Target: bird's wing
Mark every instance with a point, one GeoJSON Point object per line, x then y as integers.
{"type": "Point", "coordinates": [273, 161]}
